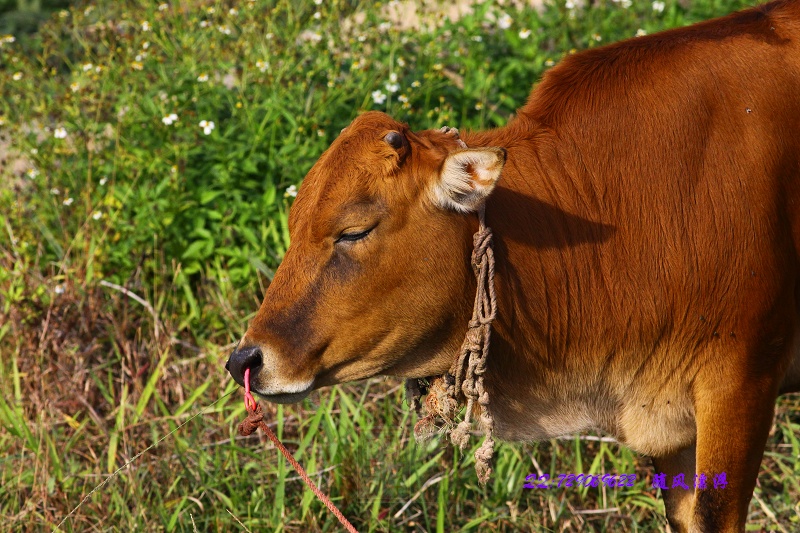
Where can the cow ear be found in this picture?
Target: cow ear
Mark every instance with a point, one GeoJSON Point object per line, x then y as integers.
{"type": "Point", "coordinates": [468, 177]}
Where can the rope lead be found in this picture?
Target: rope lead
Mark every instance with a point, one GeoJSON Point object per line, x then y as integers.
{"type": "Point", "coordinates": [255, 420]}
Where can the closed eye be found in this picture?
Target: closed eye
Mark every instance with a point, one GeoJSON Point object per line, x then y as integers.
{"type": "Point", "coordinates": [353, 237]}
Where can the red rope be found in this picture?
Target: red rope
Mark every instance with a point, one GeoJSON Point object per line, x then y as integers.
{"type": "Point", "coordinates": [255, 420]}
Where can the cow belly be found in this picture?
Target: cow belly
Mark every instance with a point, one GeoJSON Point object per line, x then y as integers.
{"type": "Point", "coordinates": [646, 425]}
{"type": "Point", "coordinates": [540, 419]}
{"type": "Point", "coordinates": [657, 426]}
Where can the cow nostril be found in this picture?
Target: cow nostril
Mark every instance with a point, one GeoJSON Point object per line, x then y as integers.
{"type": "Point", "coordinates": [242, 359]}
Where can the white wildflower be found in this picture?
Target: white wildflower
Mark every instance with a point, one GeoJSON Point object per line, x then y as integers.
{"type": "Point", "coordinates": [597, 37]}
{"type": "Point", "coordinates": [136, 65]}
{"type": "Point", "coordinates": [202, 77]}
{"type": "Point", "coordinates": [505, 21]}
{"type": "Point", "coordinates": [524, 34]}
{"type": "Point", "coordinates": [169, 119]}
{"type": "Point", "coordinates": [75, 87]}
{"type": "Point", "coordinates": [569, 4]}
{"type": "Point", "coordinates": [477, 38]}
{"type": "Point", "coordinates": [68, 201]}
{"type": "Point", "coordinates": [163, 7]}
{"type": "Point", "coordinates": [60, 133]}
{"type": "Point", "coordinates": [17, 76]}
{"type": "Point", "coordinates": [204, 24]}
{"type": "Point", "coordinates": [658, 6]}
{"type": "Point", "coordinates": [32, 173]}
{"type": "Point", "coordinates": [318, 2]}
{"type": "Point", "coordinates": [233, 11]}
{"type": "Point", "coordinates": [291, 190]}
{"type": "Point", "coordinates": [55, 191]}
{"type": "Point", "coordinates": [208, 126]}
{"type": "Point", "coordinates": [262, 65]}
{"type": "Point", "coordinates": [640, 32]}
{"type": "Point", "coordinates": [402, 98]}
{"type": "Point", "coordinates": [97, 215]}
{"type": "Point", "coordinates": [145, 45]}
{"type": "Point", "coordinates": [310, 36]}
{"type": "Point", "coordinates": [59, 289]}
{"type": "Point", "coordinates": [385, 26]}
{"type": "Point", "coordinates": [415, 84]}
{"type": "Point", "coordinates": [549, 63]}
{"type": "Point", "coordinates": [317, 15]}
{"type": "Point", "coordinates": [145, 26]}
{"type": "Point", "coordinates": [103, 180]}
{"type": "Point", "coordinates": [401, 62]}
{"type": "Point", "coordinates": [392, 87]}
{"type": "Point", "coordinates": [224, 29]}
{"type": "Point", "coordinates": [320, 133]}
{"type": "Point", "coordinates": [378, 97]}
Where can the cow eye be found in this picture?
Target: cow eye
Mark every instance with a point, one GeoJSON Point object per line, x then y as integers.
{"type": "Point", "coordinates": [353, 237]}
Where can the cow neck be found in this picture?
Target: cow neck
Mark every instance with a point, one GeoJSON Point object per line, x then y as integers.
{"type": "Point", "coordinates": [464, 380]}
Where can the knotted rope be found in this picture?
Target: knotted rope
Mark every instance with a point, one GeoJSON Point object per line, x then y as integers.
{"type": "Point", "coordinates": [255, 420]}
{"type": "Point", "coordinates": [465, 377]}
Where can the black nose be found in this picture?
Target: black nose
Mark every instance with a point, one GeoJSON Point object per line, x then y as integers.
{"type": "Point", "coordinates": [242, 359]}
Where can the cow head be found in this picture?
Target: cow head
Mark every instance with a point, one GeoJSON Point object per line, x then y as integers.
{"type": "Point", "coordinates": [377, 278]}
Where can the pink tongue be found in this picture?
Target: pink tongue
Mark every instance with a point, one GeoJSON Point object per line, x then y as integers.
{"type": "Point", "coordinates": [249, 401]}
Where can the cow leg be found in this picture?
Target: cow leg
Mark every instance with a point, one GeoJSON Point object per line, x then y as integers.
{"type": "Point", "coordinates": [734, 414]}
{"type": "Point", "coordinates": [678, 501]}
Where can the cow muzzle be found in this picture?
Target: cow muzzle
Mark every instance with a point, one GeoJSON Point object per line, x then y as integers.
{"type": "Point", "coordinates": [265, 380]}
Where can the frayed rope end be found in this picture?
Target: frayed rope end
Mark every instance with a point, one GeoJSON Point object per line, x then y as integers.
{"type": "Point", "coordinates": [483, 459]}
{"type": "Point", "coordinates": [460, 435]}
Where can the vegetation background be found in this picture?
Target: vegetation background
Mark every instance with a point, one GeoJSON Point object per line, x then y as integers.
{"type": "Point", "coordinates": [150, 153]}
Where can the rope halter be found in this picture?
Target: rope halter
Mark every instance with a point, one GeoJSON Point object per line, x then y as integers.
{"type": "Point", "coordinates": [464, 380]}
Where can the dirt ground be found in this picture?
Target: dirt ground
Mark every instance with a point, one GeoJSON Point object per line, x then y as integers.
{"type": "Point", "coordinates": [416, 14]}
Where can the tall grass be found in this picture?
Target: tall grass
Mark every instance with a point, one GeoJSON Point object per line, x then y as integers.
{"type": "Point", "coordinates": [135, 241]}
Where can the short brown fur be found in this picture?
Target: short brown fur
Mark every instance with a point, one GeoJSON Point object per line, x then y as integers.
{"type": "Point", "coordinates": [647, 230]}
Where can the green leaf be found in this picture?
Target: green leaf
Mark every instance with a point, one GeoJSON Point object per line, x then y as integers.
{"type": "Point", "coordinates": [208, 196]}
{"type": "Point", "coordinates": [195, 250]}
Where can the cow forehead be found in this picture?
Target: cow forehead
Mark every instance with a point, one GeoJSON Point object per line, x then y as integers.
{"type": "Point", "coordinates": [354, 169]}
{"type": "Point", "coordinates": [360, 146]}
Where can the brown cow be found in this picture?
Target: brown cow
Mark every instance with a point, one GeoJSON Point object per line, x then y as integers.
{"type": "Point", "coordinates": [645, 204]}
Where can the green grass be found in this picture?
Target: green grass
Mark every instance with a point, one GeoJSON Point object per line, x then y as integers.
{"type": "Point", "coordinates": [185, 228]}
